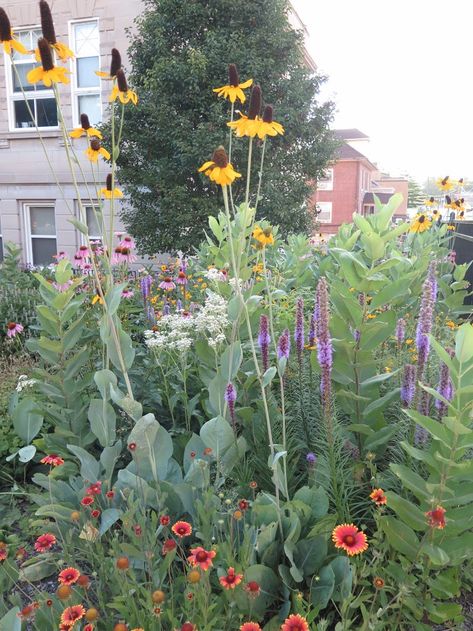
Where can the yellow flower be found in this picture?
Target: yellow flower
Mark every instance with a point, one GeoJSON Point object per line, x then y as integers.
{"type": "Point", "coordinates": [265, 237]}
{"type": "Point", "coordinates": [48, 73]}
{"type": "Point", "coordinates": [258, 268]}
{"type": "Point", "coordinates": [409, 341]}
{"type": "Point", "coordinates": [420, 224]}
{"type": "Point", "coordinates": [387, 369]}
{"type": "Point", "coordinates": [204, 286]}
{"type": "Point", "coordinates": [268, 127]}
{"type": "Point", "coordinates": [249, 125]}
{"type": "Point", "coordinates": [108, 192]}
{"type": "Point", "coordinates": [450, 324]}
{"type": "Point", "coordinates": [234, 90]}
{"type": "Point", "coordinates": [219, 169]}
{"type": "Point", "coordinates": [95, 150]}
{"type": "Point", "coordinates": [451, 227]}
{"type": "Point", "coordinates": [115, 65]}
{"type": "Point", "coordinates": [85, 129]}
{"type": "Point", "coordinates": [63, 52]}
{"type": "Point", "coordinates": [430, 202]}
{"type": "Point", "coordinates": [445, 184]}
{"type": "Point", "coordinates": [6, 36]}
{"type": "Point", "coordinates": [371, 316]}
{"type": "Point", "coordinates": [121, 90]}
{"type": "Point", "coordinates": [47, 26]}
{"type": "Point", "coordinates": [98, 298]}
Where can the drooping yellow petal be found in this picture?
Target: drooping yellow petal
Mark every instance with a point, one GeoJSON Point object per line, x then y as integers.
{"type": "Point", "coordinates": [76, 133]}
{"type": "Point", "coordinates": [246, 84]}
{"type": "Point", "coordinates": [18, 46]}
{"type": "Point", "coordinates": [104, 153]}
{"type": "Point", "coordinates": [91, 154]}
{"type": "Point", "coordinates": [63, 51]}
{"type": "Point", "coordinates": [94, 132]}
{"type": "Point", "coordinates": [35, 75]}
{"type": "Point", "coordinates": [206, 165]}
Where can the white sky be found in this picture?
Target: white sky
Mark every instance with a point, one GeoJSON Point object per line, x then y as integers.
{"type": "Point", "coordinates": [400, 71]}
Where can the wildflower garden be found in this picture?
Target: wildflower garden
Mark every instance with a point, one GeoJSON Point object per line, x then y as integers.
{"type": "Point", "coordinates": [267, 434]}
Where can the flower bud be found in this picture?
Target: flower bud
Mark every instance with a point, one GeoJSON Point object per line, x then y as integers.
{"type": "Point", "coordinates": [233, 78]}
{"type": "Point", "coordinates": [47, 24]}
{"type": "Point", "coordinates": [116, 62]}
{"type": "Point", "coordinates": [255, 102]}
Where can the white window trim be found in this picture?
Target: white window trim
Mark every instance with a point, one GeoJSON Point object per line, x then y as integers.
{"type": "Point", "coordinates": [327, 183]}
{"type": "Point", "coordinates": [28, 235]}
{"type": "Point", "coordinates": [88, 204]}
{"type": "Point", "coordinates": [76, 91]}
{"type": "Point", "coordinates": [43, 94]}
{"type": "Point", "coordinates": [319, 204]}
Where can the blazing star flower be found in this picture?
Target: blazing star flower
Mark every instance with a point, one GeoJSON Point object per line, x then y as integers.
{"type": "Point", "coordinates": [350, 539]}
{"type": "Point", "coordinates": [263, 236]}
{"type": "Point", "coordinates": [424, 325]}
{"type": "Point", "coordinates": [268, 127]}
{"type": "Point", "coordinates": [378, 497]}
{"type": "Point", "coordinates": [445, 184]}
{"type": "Point", "coordinates": [68, 576]}
{"type": "Point", "coordinates": [219, 169]}
{"type": "Point", "coordinates": [408, 385]}
{"type": "Point", "coordinates": [234, 90]}
{"type": "Point", "coordinates": [249, 125]}
{"type": "Point", "coordinates": [95, 150]}
{"type": "Point", "coordinates": [436, 517]}
{"type": "Point", "coordinates": [299, 330]}
{"type": "Point", "coordinates": [421, 223]}
{"type": "Point", "coordinates": [53, 460]}
{"type": "Point", "coordinates": [311, 458]}
{"type": "Point", "coordinates": [48, 73]}
{"type": "Point", "coordinates": [230, 398]}
{"type": "Point", "coordinates": [115, 65]}
{"type": "Point", "coordinates": [71, 615]}
{"type": "Point", "coordinates": [202, 558]}
{"type": "Point", "coordinates": [122, 91]}
{"type": "Point", "coordinates": [324, 346]}
{"type": "Point", "coordinates": [284, 345]}
{"type": "Point", "coordinates": [250, 626]}
{"type": "Point", "coordinates": [445, 387]}
{"type": "Point", "coordinates": [13, 328]}
{"type": "Point", "coordinates": [295, 622]}
{"type": "Point", "coordinates": [182, 529]}
{"type": "Point", "coordinates": [400, 331]}
{"type": "Point", "coordinates": [44, 542]}
{"type": "Point", "coordinates": [6, 36]}
{"type": "Point", "coordinates": [47, 26]}
{"type": "Point", "coordinates": [108, 192]}
{"type": "Point", "coordinates": [231, 580]}
{"type": "Point", "coordinates": [264, 341]}
{"type": "Point", "coordinates": [145, 285]}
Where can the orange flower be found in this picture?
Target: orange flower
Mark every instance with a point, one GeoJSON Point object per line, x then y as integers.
{"type": "Point", "coordinates": [182, 529]}
{"type": "Point", "coordinates": [250, 626]}
{"type": "Point", "coordinates": [350, 539]}
{"type": "Point", "coordinates": [72, 614]}
{"type": "Point", "coordinates": [378, 497]}
{"type": "Point", "coordinates": [202, 558]}
{"type": "Point", "coordinates": [378, 582]}
{"type": "Point", "coordinates": [231, 580]}
{"type": "Point", "coordinates": [436, 517]}
{"type": "Point", "coordinates": [295, 622]}
{"type": "Point", "coordinates": [53, 460]}
{"type": "Point", "coordinates": [253, 589]}
{"type": "Point", "coordinates": [44, 542]}
{"type": "Point", "coordinates": [68, 576]}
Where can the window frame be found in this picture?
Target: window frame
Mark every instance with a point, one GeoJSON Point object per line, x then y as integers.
{"type": "Point", "coordinates": [35, 94]}
{"type": "Point", "coordinates": [75, 90]}
{"type": "Point", "coordinates": [326, 184]}
{"type": "Point", "coordinates": [27, 221]}
{"type": "Point", "coordinates": [325, 203]}
{"type": "Point", "coordinates": [88, 204]}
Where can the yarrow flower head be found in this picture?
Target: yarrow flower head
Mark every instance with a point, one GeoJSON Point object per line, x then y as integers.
{"type": "Point", "coordinates": [347, 537]}
{"type": "Point", "coordinates": [234, 89]}
{"type": "Point", "coordinates": [219, 169]}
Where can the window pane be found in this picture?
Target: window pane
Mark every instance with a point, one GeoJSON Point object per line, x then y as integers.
{"type": "Point", "coordinates": [46, 112]}
{"type": "Point", "coordinates": [90, 104]}
{"type": "Point", "coordinates": [43, 251]}
{"type": "Point", "coordinates": [86, 35]}
{"type": "Point", "coordinates": [92, 223]}
{"type": "Point", "coordinates": [42, 220]}
{"type": "Point", "coordinates": [22, 115]}
{"type": "Point", "coordinates": [20, 78]}
{"type": "Point", "coordinates": [86, 77]}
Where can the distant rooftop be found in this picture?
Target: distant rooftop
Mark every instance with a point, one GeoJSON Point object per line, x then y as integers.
{"type": "Point", "coordinates": [350, 134]}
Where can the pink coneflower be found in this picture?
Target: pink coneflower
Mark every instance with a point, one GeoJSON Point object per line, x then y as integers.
{"type": "Point", "coordinates": [83, 252]}
{"type": "Point", "coordinates": [62, 287]}
{"type": "Point", "coordinates": [128, 293]}
{"type": "Point", "coordinates": [167, 284]}
{"type": "Point", "coordinates": [181, 278]}
{"type": "Point", "coordinates": [13, 328]}
{"type": "Point", "coordinates": [60, 255]}
{"type": "Point", "coordinates": [127, 242]}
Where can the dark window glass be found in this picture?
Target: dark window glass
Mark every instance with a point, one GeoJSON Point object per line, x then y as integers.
{"type": "Point", "coordinates": [43, 251]}
{"type": "Point", "coordinates": [46, 112]}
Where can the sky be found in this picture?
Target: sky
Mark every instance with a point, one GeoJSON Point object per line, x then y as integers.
{"type": "Point", "coordinates": [400, 71]}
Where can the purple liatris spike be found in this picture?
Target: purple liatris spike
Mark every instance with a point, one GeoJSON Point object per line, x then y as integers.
{"type": "Point", "coordinates": [424, 404]}
{"type": "Point", "coordinates": [424, 326]}
{"type": "Point", "coordinates": [433, 280]}
{"type": "Point", "coordinates": [167, 309]}
{"type": "Point", "coordinates": [179, 304]}
{"type": "Point", "coordinates": [284, 345]}
{"type": "Point", "coordinates": [400, 331]}
{"type": "Point", "coordinates": [230, 398]}
{"type": "Point", "coordinates": [311, 458]}
{"type": "Point", "coordinates": [408, 387]}
{"type": "Point", "coordinates": [324, 344]}
{"type": "Point", "coordinates": [421, 436]}
{"type": "Point", "coordinates": [445, 387]}
{"type": "Point", "coordinates": [299, 330]}
{"type": "Point", "coordinates": [356, 335]}
{"type": "Point", "coordinates": [264, 340]}
{"type": "Point", "coordinates": [145, 285]}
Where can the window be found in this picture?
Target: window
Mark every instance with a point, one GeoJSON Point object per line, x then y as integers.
{"type": "Point", "coordinates": [41, 234]}
{"type": "Point", "coordinates": [94, 222]}
{"type": "Point", "coordinates": [368, 209]}
{"type": "Point", "coordinates": [326, 183]}
{"type": "Point", "coordinates": [324, 212]}
{"type": "Point", "coordinates": [85, 83]}
{"type": "Point", "coordinates": [40, 99]}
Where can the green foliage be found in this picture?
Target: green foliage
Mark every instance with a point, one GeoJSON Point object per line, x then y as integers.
{"type": "Point", "coordinates": [176, 61]}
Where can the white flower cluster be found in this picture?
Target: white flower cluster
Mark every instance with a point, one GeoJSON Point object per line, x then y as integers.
{"type": "Point", "coordinates": [178, 331]}
{"type": "Point", "coordinates": [24, 382]}
{"type": "Point", "coordinates": [214, 274]}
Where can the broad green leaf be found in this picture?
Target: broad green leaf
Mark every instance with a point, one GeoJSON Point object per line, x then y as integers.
{"type": "Point", "coordinates": [464, 343]}
{"type": "Point", "coordinates": [379, 404]}
{"type": "Point", "coordinates": [400, 536]}
{"type": "Point", "coordinates": [90, 468]}
{"type": "Point", "coordinates": [322, 587]}
{"type": "Point", "coordinates": [309, 554]}
{"type": "Point", "coordinates": [104, 379]}
{"type": "Point", "coordinates": [11, 621]}
{"type": "Point", "coordinates": [434, 428]}
{"type": "Point", "coordinates": [102, 420]}
{"type": "Point", "coordinates": [27, 420]}
{"type": "Point", "coordinates": [218, 435]}
{"type": "Point", "coordinates": [411, 480]}
{"type": "Point", "coordinates": [436, 555]}
{"type": "Point", "coordinates": [109, 517]}
{"type": "Point", "coordinates": [408, 512]}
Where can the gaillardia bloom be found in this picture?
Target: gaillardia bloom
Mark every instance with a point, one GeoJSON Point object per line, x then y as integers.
{"type": "Point", "coordinates": [71, 615]}
{"type": "Point", "coordinates": [95, 150]}
{"type": "Point", "coordinates": [219, 169]}
{"type": "Point", "coordinates": [231, 580]}
{"type": "Point", "coordinates": [48, 73]}
{"type": "Point", "coordinates": [263, 235]}
{"type": "Point", "coordinates": [44, 542]}
{"type": "Point", "coordinates": [268, 127]}
{"type": "Point", "coordinates": [108, 192]}
{"type": "Point", "coordinates": [234, 90]}
{"type": "Point", "coordinates": [295, 622]}
{"type": "Point", "coordinates": [122, 91]}
{"type": "Point", "coordinates": [250, 626]}
{"type": "Point", "coordinates": [53, 460]}
{"type": "Point", "coordinates": [421, 223]}
{"type": "Point", "coordinates": [249, 125]}
{"type": "Point", "coordinates": [6, 36]}
{"type": "Point", "coordinates": [445, 184]}
{"type": "Point", "coordinates": [115, 65]}
{"type": "Point", "coordinates": [349, 538]}
{"type": "Point", "coordinates": [47, 26]}
{"type": "Point", "coordinates": [85, 128]}
{"type": "Point", "coordinates": [182, 529]}
{"type": "Point", "coordinates": [201, 557]}
{"type": "Point", "coordinates": [378, 497]}
{"type": "Point", "coordinates": [68, 576]}
{"type": "Point", "coordinates": [436, 517]}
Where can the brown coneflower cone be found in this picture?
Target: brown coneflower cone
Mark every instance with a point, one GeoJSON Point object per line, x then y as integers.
{"type": "Point", "coordinates": [255, 102]}
{"type": "Point", "coordinates": [5, 26]}
{"type": "Point", "coordinates": [121, 81]}
{"type": "Point", "coordinates": [109, 182]}
{"type": "Point", "coordinates": [84, 121]}
{"type": "Point", "coordinates": [116, 62]}
{"type": "Point", "coordinates": [45, 54]}
{"type": "Point", "coordinates": [233, 78]}
{"type": "Point", "coordinates": [47, 24]}
{"type": "Point", "coordinates": [268, 114]}
{"type": "Point", "coordinates": [220, 157]}
{"type": "Point", "coordinates": [95, 144]}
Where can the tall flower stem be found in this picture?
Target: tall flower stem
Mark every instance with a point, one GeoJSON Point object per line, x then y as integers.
{"type": "Point", "coordinates": [260, 174]}
{"type": "Point", "coordinates": [248, 174]}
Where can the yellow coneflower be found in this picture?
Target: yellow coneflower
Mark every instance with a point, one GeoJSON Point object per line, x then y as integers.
{"type": "Point", "coordinates": [98, 298]}
{"type": "Point", "coordinates": [420, 224]}
{"type": "Point", "coordinates": [122, 91]}
{"type": "Point", "coordinates": [445, 184]}
{"type": "Point", "coordinates": [268, 127]}
{"type": "Point", "coordinates": [449, 203]}
{"type": "Point", "coordinates": [95, 150]}
{"type": "Point", "coordinates": [219, 169]}
{"type": "Point", "coordinates": [234, 90]}
{"type": "Point", "coordinates": [47, 26]}
{"type": "Point", "coordinates": [435, 214]}
{"type": "Point", "coordinates": [48, 73]}
{"type": "Point", "coordinates": [461, 182]}
{"type": "Point", "coordinates": [263, 235]}
{"type": "Point", "coordinates": [108, 192]}
{"type": "Point", "coordinates": [85, 128]}
{"type": "Point", "coordinates": [430, 202]}
{"type": "Point", "coordinates": [6, 36]}
{"type": "Point", "coordinates": [461, 215]}
{"type": "Point", "coordinates": [249, 125]}
{"type": "Point", "coordinates": [115, 65]}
